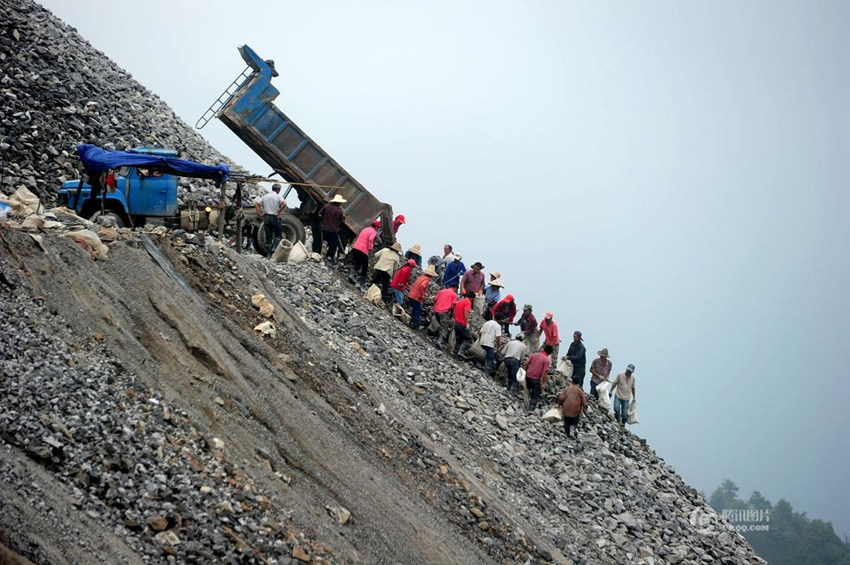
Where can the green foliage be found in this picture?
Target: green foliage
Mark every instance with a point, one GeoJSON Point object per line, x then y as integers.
{"type": "Point", "coordinates": [792, 538]}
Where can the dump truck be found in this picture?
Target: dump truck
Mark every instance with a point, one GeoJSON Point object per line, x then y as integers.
{"type": "Point", "coordinates": [139, 186]}
{"type": "Point", "coordinates": [247, 108]}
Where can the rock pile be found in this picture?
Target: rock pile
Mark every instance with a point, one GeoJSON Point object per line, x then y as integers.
{"type": "Point", "coordinates": [135, 465]}
{"type": "Point", "coordinates": [122, 458]}
{"type": "Point", "coordinates": [606, 498]}
{"type": "Point", "coordinates": [57, 91]}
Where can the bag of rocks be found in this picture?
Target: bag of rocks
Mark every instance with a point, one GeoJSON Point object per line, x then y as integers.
{"type": "Point", "coordinates": [373, 295]}
{"type": "Point", "coordinates": [602, 389]}
{"type": "Point", "coordinates": [631, 415]}
{"type": "Point", "coordinates": [565, 367]}
{"type": "Point", "coordinates": [298, 254]}
{"type": "Point", "coordinates": [476, 350]}
{"type": "Point", "coordinates": [281, 252]}
{"type": "Point", "coordinates": [478, 304]}
{"type": "Point", "coordinates": [399, 313]}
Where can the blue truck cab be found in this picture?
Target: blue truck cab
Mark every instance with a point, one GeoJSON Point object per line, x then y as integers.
{"type": "Point", "coordinates": [139, 193]}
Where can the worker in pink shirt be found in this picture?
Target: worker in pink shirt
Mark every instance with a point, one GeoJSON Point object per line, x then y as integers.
{"type": "Point", "coordinates": [362, 246]}
{"type": "Point", "coordinates": [536, 369]}
{"type": "Point", "coordinates": [549, 329]}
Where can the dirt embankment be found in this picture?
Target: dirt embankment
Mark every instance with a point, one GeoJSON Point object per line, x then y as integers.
{"type": "Point", "coordinates": [142, 419]}
{"type": "Point", "coordinates": [287, 418]}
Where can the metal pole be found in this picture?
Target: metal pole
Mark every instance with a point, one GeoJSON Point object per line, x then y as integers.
{"type": "Point", "coordinates": [240, 217]}
{"type": "Point", "coordinates": [221, 205]}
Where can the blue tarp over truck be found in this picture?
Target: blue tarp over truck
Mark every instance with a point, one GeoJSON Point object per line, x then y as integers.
{"type": "Point", "coordinates": [142, 183]}
{"type": "Point", "coordinates": [97, 160]}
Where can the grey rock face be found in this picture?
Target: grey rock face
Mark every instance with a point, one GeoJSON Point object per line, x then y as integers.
{"type": "Point", "coordinates": [57, 91]}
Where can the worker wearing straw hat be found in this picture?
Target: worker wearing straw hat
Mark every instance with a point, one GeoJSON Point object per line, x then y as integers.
{"type": "Point", "coordinates": [387, 262]}
{"type": "Point", "coordinates": [415, 253]}
{"type": "Point", "coordinates": [600, 370]}
{"type": "Point", "coordinates": [492, 295]}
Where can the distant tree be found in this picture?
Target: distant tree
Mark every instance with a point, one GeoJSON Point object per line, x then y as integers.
{"type": "Point", "coordinates": [759, 502]}
{"type": "Point", "coordinates": [791, 537]}
{"type": "Point", "coordinates": [725, 497]}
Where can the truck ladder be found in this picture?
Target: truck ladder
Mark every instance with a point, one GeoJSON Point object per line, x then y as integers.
{"type": "Point", "coordinates": [223, 99]}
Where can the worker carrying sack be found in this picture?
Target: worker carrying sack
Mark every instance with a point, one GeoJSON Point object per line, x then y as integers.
{"type": "Point", "coordinates": [632, 417]}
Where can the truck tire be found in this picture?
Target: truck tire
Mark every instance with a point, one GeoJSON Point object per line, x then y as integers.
{"type": "Point", "coordinates": [292, 229]}
{"type": "Point", "coordinates": [112, 215]}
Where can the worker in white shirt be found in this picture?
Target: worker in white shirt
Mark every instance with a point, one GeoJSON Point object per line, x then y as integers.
{"type": "Point", "coordinates": [269, 208]}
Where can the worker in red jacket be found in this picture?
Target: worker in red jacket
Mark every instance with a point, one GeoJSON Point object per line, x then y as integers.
{"type": "Point", "coordinates": [504, 312]}
{"type": "Point", "coordinates": [401, 281]}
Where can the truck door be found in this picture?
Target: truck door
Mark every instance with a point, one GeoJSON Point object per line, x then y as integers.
{"type": "Point", "coordinates": [152, 193]}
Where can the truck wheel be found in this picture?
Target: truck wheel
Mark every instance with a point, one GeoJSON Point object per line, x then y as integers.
{"type": "Point", "coordinates": [114, 216]}
{"type": "Point", "coordinates": [258, 237]}
{"type": "Point", "coordinates": [293, 229]}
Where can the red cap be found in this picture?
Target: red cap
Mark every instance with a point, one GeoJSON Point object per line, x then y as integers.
{"type": "Point", "coordinates": [377, 223]}
{"type": "Point", "coordinates": [400, 218]}
{"type": "Point", "coordinates": [411, 262]}
{"type": "Point", "coordinates": [509, 298]}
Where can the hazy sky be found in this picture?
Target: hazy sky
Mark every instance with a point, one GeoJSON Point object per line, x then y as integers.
{"type": "Point", "coordinates": [669, 177]}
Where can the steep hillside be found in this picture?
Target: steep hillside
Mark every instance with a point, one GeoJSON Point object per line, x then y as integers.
{"type": "Point", "coordinates": [142, 419]}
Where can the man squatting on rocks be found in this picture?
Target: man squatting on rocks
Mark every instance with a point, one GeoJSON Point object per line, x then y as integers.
{"type": "Point", "coordinates": [332, 217]}
{"type": "Point", "coordinates": [269, 207]}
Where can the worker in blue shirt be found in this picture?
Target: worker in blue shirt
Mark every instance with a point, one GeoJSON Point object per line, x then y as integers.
{"type": "Point", "coordinates": [454, 271]}
{"type": "Point", "coordinates": [492, 294]}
